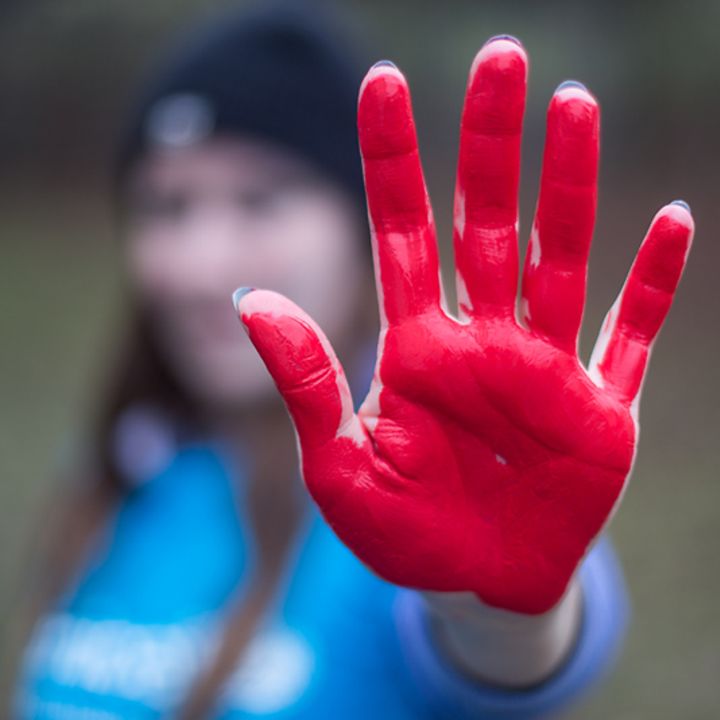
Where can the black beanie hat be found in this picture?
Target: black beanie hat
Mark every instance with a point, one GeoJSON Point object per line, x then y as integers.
{"type": "Point", "coordinates": [281, 72]}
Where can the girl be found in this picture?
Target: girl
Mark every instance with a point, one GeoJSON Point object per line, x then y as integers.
{"type": "Point", "coordinates": [453, 569]}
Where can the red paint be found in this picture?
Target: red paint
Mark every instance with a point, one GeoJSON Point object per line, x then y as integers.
{"type": "Point", "coordinates": [554, 288]}
{"type": "Point", "coordinates": [493, 459]}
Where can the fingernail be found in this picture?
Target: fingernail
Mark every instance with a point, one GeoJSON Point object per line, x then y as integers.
{"type": "Point", "coordinates": [239, 294]}
{"type": "Point", "coordinates": [570, 84]}
{"type": "Point", "coordinates": [682, 204]}
{"type": "Point", "coordinates": [511, 38]}
{"type": "Point", "coordinates": [384, 63]}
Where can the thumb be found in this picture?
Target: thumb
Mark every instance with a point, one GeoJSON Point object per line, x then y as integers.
{"type": "Point", "coordinates": [303, 365]}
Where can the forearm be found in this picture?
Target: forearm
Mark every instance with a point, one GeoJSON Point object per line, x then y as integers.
{"type": "Point", "coordinates": [454, 690]}
{"type": "Point", "coordinates": [502, 648]}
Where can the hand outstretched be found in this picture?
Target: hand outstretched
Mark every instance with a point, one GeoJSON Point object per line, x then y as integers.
{"type": "Point", "coordinates": [485, 457]}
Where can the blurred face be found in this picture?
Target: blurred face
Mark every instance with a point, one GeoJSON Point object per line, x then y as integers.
{"type": "Point", "coordinates": [207, 219]}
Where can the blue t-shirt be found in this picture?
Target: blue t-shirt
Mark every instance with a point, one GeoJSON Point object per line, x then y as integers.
{"type": "Point", "coordinates": [338, 642]}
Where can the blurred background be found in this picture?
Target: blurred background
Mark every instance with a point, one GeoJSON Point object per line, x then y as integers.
{"type": "Point", "coordinates": [68, 70]}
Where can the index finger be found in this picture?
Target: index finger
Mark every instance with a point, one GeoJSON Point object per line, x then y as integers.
{"type": "Point", "coordinates": [402, 227]}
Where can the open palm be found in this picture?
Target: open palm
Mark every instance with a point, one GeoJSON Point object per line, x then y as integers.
{"type": "Point", "coordinates": [485, 457]}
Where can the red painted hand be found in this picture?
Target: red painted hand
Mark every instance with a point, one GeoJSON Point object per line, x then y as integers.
{"type": "Point", "coordinates": [485, 457]}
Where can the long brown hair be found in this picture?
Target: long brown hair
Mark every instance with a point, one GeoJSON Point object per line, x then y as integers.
{"type": "Point", "coordinates": [141, 376]}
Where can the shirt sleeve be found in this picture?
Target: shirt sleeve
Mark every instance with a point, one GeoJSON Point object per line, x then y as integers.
{"type": "Point", "coordinates": [451, 694]}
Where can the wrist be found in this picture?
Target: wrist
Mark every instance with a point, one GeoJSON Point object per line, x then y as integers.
{"type": "Point", "coordinates": [501, 647]}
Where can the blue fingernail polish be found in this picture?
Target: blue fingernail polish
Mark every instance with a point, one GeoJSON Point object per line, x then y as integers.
{"type": "Point", "coordinates": [682, 204]}
{"type": "Point", "coordinates": [384, 63]}
{"type": "Point", "coordinates": [239, 294]}
{"type": "Point", "coordinates": [511, 38]}
{"type": "Point", "coordinates": [570, 84]}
